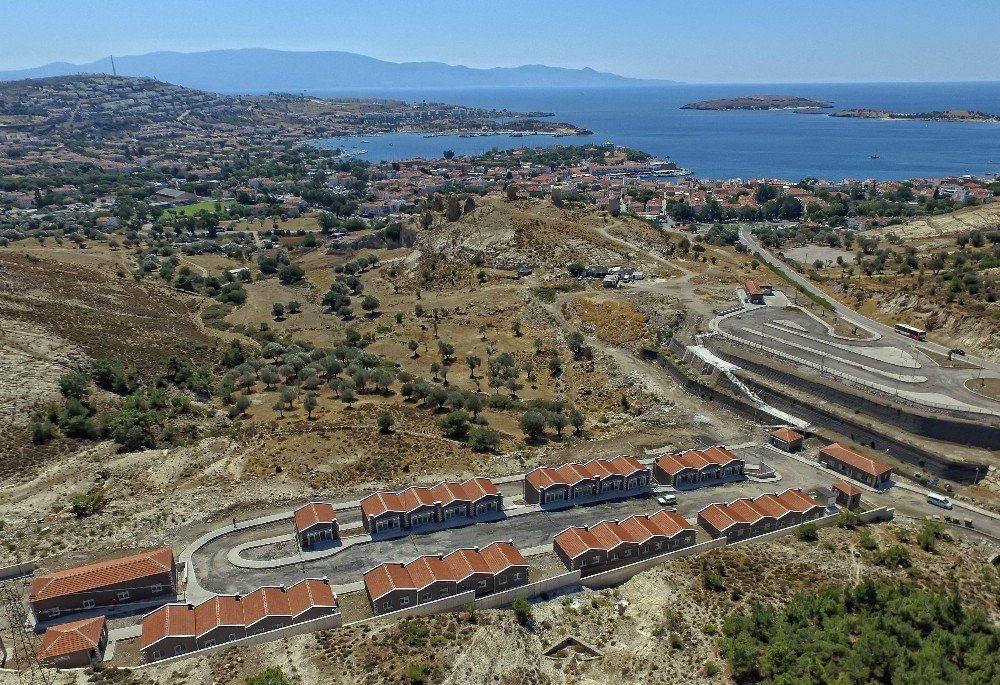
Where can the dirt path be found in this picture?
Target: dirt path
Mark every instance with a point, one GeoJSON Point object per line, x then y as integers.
{"type": "Point", "coordinates": [652, 378]}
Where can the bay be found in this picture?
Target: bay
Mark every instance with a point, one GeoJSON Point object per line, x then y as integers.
{"type": "Point", "coordinates": [734, 144]}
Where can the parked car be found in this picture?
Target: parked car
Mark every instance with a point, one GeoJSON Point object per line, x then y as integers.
{"type": "Point", "coordinates": [667, 500]}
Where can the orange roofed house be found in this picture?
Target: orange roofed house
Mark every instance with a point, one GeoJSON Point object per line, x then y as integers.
{"type": "Point", "coordinates": [696, 468]}
{"type": "Point", "coordinates": [610, 544]}
{"type": "Point", "coordinates": [756, 291]}
{"type": "Point", "coordinates": [746, 518]}
{"type": "Point", "coordinates": [419, 506]}
{"type": "Point", "coordinates": [619, 476]}
{"type": "Point", "coordinates": [496, 567]}
{"type": "Point", "coordinates": [180, 628]}
{"type": "Point", "coordinates": [855, 465]}
{"type": "Point", "coordinates": [315, 522]}
{"type": "Point", "coordinates": [786, 439]}
{"type": "Point", "coordinates": [140, 577]}
{"type": "Point", "coordinates": [74, 645]}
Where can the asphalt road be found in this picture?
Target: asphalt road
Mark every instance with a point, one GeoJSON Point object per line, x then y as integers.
{"type": "Point", "coordinates": [864, 359]}
{"type": "Point", "coordinates": [945, 381]}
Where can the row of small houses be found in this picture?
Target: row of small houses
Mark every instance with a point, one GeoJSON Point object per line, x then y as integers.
{"type": "Point", "coordinates": [174, 629]}
{"type": "Point", "coordinates": [152, 576]}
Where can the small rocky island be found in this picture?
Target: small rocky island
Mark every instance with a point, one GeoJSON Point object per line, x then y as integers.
{"type": "Point", "coordinates": [757, 102]}
{"type": "Point", "coordinates": [946, 115]}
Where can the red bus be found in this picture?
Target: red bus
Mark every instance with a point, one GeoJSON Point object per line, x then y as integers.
{"type": "Point", "coordinates": [911, 332]}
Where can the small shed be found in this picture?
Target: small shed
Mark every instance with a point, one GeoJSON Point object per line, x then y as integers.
{"type": "Point", "coordinates": [315, 522]}
{"type": "Point", "coordinates": [77, 644]}
{"type": "Point", "coordinates": [847, 495]}
{"type": "Point", "coordinates": [787, 439]}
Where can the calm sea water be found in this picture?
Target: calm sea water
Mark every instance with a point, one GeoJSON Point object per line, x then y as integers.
{"type": "Point", "coordinates": [737, 144]}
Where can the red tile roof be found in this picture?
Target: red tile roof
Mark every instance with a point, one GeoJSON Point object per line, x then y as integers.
{"type": "Point", "coordinates": [750, 511]}
{"type": "Point", "coordinates": [183, 620]}
{"type": "Point", "coordinates": [170, 620]}
{"type": "Point", "coordinates": [500, 556]}
{"type": "Point", "coordinates": [413, 498]}
{"type": "Point", "coordinates": [70, 638]}
{"type": "Point", "coordinates": [859, 461]}
{"type": "Point", "coordinates": [787, 435]}
{"type": "Point", "coordinates": [221, 610]}
{"type": "Point", "coordinates": [573, 473]}
{"type": "Point", "coordinates": [607, 535]}
{"type": "Point", "coordinates": [95, 576]}
{"type": "Point", "coordinates": [314, 514]}
{"type": "Point", "coordinates": [264, 602]}
{"type": "Point", "coordinates": [455, 566]}
{"type": "Point", "coordinates": [753, 289]}
{"type": "Point", "coordinates": [697, 460]}
{"type": "Point", "coordinates": [308, 594]}
{"type": "Point", "coordinates": [847, 488]}
{"type": "Point", "coordinates": [385, 578]}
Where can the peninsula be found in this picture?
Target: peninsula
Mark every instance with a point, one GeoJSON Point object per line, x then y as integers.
{"type": "Point", "coordinates": [946, 115]}
{"type": "Point", "coordinates": [758, 102]}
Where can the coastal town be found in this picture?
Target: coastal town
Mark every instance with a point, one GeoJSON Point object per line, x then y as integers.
{"type": "Point", "coordinates": [276, 413]}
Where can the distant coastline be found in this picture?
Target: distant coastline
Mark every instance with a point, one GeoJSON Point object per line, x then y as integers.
{"type": "Point", "coordinates": [759, 102]}
{"type": "Point", "coordinates": [944, 115]}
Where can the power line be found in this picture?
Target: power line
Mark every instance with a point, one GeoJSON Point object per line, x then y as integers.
{"type": "Point", "coordinates": [25, 658]}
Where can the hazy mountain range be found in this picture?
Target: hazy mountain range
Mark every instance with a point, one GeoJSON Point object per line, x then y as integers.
{"type": "Point", "coordinates": [257, 69]}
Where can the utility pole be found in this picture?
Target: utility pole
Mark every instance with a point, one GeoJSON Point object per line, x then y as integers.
{"type": "Point", "coordinates": [114, 72]}
{"type": "Point", "coordinates": [25, 658]}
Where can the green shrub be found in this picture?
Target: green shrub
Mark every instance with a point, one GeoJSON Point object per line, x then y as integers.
{"type": "Point", "coordinates": [893, 557]}
{"type": "Point", "coordinates": [418, 672]}
{"type": "Point", "coordinates": [85, 504]}
{"type": "Point", "coordinates": [483, 439]}
{"type": "Point", "coordinates": [522, 610]}
{"type": "Point", "coordinates": [808, 532]}
{"type": "Point", "coordinates": [270, 676]}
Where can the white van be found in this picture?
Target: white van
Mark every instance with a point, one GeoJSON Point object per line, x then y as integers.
{"type": "Point", "coordinates": [939, 500]}
{"type": "Point", "coordinates": [667, 500]}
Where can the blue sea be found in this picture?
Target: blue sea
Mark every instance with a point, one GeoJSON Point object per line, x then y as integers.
{"type": "Point", "coordinates": [735, 144]}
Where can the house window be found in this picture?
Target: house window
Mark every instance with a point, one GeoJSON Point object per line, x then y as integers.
{"type": "Point", "coordinates": [427, 596]}
{"type": "Point", "coordinates": [156, 589]}
{"type": "Point", "coordinates": [55, 611]}
{"type": "Point", "coordinates": [403, 601]}
{"type": "Point", "coordinates": [444, 592]}
{"type": "Point", "coordinates": [159, 655]}
{"type": "Point", "coordinates": [597, 559]}
{"type": "Point", "coordinates": [232, 636]}
{"type": "Point", "coordinates": [659, 546]}
{"type": "Point", "coordinates": [517, 576]}
{"type": "Point", "coordinates": [387, 605]}
{"type": "Point", "coordinates": [209, 643]}
{"type": "Point", "coordinates": [628, 553]}
{"type": "Point", "coordinates": [88, 604]}
{"type": "Point", "coordinates": [123, 596]}
{"type": "Point", "coordinates": [502, 580]}
{"type": "Point", "coordinates": [482, 584]}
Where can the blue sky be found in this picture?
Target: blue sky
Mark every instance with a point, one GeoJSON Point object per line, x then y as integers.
{"type": "Point", "coordinates": [727, 41]}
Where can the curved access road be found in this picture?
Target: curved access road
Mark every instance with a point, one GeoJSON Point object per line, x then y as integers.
{"type": "Point", "coordinates": [849, 314]}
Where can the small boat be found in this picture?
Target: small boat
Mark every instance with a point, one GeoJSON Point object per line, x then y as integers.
{"type": "Point", "coordinates": [875, 156]}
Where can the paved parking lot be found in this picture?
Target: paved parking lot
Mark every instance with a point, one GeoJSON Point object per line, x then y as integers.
{"type": "Point", "coordinates": [528, 530]}
{"type": "Point", "coordinates": [537, 528]}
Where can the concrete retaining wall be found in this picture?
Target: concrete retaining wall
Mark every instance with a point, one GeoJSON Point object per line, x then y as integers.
{"type": "Point", "coordinates": [617, 576]}
{"type": "Point", "coordinates": [552, 584]}
{"type": "Point", "coordinates": [438, 606]}
{"type": "Point", "coordinates": [322, 623]}
{"type": "Point", "coordinates": [17, 570]}
{"type": "Point", "coordinates": [981, 431]}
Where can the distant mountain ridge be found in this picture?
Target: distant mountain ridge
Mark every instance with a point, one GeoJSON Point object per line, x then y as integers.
{"type": "Point", "coordinates": [260, 69]}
